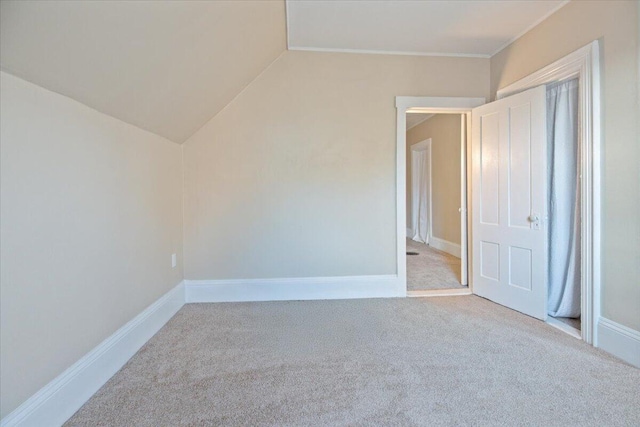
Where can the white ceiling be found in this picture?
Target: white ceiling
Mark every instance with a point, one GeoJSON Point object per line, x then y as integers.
{"type": "Point", "coordinates": [465, 28]}
{"type": "Point", "coordinates": [166, 67]}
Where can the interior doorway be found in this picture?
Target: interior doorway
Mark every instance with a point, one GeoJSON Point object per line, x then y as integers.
{"type": "Point", "coordinates": [460, 110]}
{"type": "Point", "coordinates": [435, 145]}
{"type": "Point", "coordinates": [509, 231]}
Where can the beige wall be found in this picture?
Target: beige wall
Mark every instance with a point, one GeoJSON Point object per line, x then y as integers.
{"type": "Point", "coordinates": [164, 66]}
{"type": "Point", "coordinates": [296, 177]}
{"type": "Point", "coordinates": [445, 132]}
{"type": "Point", "coordinates": [90, 213]}
{"type": "Point", "coordinates": [615, 24]}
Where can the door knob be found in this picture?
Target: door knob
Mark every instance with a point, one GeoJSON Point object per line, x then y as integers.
{"type": "Point", "coordinates": [534, 219]}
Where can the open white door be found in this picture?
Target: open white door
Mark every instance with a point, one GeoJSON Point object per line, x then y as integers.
{"type": "Point", "coordinates": [509, 202]}
{"type": "Point", "coordinates": [464, 250]}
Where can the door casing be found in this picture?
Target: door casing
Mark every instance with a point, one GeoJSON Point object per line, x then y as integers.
{"type": "Point", "coordinates": [427, 105]}
{"type": "Point", "coordinates": [584, 64]}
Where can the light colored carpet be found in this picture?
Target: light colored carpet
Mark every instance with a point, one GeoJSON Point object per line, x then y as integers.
{"type": "Point", "coordinates": [404, 362]}
{"type": "Point", "coordinates": [431, 269]}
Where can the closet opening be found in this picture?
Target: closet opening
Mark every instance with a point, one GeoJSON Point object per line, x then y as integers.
{"type": "Point", "coordinates": [564, 178]}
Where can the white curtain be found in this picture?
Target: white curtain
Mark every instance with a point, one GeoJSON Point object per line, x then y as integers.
{"type": "Point", "coordinates": [564, 199]}
{"type": "Point", "coordinates": [420, 196]}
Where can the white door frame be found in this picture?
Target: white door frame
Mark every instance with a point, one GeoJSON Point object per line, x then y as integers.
{"type": "Point", "coordinates": [427, 105]}
{"type": "Point", "coordinates": [425, 146]}
{"type": "Point", "coordinates": [585, 65]}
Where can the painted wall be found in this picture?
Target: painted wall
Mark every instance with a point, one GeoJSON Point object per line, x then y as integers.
{"type": "Point", "coordinates": [163, 66]}
{"type": "Point", "coordinates": [444, 131]}
{"type": "Point", "coordinates": [90, 213]}
{"type": "Point", "coordinates": [615, 24]}
{"type": "Point", "coordinates": [296, 176]}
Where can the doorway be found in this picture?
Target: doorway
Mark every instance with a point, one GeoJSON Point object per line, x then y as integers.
{"type": "Point", "coordinates": [513, 256]}
{"type": "Point", "coordinates": [459, 109]}
{"type": "Point", "coordinates": [435, 143]}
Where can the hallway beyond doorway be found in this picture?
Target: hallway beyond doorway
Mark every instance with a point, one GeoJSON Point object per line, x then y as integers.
{"type": "Point", "coordinates": [431, 268]}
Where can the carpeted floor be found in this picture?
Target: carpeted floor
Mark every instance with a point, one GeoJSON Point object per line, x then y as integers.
{"type": "Point", "coordinates": [404, 362]}
{"type": "Point", "coordinates": [431, 269]}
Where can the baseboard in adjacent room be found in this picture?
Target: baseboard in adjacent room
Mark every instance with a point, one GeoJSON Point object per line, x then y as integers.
{"type": "Point", "coordinates": [409, 233]}
{"type": "Point", "coordinates": [304, 288]}
{"type": "Point", "coordinates": [619, 340]}
{"type": "Point", "coordinates": [439, 293]}
{"type": "Point", "coordinates": [445, 246]}
{"type": "Point", "coordinates": [61, 398]}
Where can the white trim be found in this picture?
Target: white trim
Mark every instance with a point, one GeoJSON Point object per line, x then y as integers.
{"type": "Point", "coordinates": [463, 252]}
{"type": "Point", "coordinates": [584, 64]}
{"type": "Point", "coordinates": [431, 104]}
{"type": "Point", "coordinates": [427, 105]}
{"type": "Point", "coordinates": [288, 25]}
{"type": "Point", "coordinates": [286, 289]}
{"type": "Point", "coordinates": [409, 233]}
{"type": "Point", "coordinates": [454, 292]}
{"type": "Point", "coordinates": [445, 246]}
{"type": "Point", "coordinates": [575, 64]}
{"type": "Point", "coordinates": [388, 52]}
{"type": "Point", "coordinates": [531, 27]}
{"type": "Point", "coordinates": [619, 340]}
{"type": "Point", "coordinates": [56, 402]}
{"type": "Point", "coordinates": [558, 324]}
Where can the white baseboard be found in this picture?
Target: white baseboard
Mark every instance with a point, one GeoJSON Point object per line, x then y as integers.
{"type": "Point", "coordinates": [445, 246]}
{"type": "Point", "coordinates": [427, 293]}
{"type": "Point", "coordinates": [619, 340]}
{"type": "Point", "coordinates": [56, 402]}
{"type": "Point", "coordinates": [305, 288]}
{"type": "Point", "coordinates": [409, 233]}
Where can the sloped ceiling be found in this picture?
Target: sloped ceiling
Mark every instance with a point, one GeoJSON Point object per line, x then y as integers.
{"type": "Point", "coordinates": [420, 27]}
{"type": "Point", "coordinates": [170, 66]}
{"type": "Point", "coordinates": [164, 66]}
{"type": "Point", "coordinates": [414, 119]}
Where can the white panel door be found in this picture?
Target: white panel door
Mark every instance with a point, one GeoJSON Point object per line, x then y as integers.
{"type": "Point", "coordinates": [509, 202]}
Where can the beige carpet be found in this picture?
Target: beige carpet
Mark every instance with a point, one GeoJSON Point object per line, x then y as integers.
{"type": "Point", "coordinates": [431, 269]}
{"type": "Point", "coordinates": [456, 361]}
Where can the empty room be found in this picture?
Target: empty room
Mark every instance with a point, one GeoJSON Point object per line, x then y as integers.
{"type": "Point", "coordinates": [310, 213]}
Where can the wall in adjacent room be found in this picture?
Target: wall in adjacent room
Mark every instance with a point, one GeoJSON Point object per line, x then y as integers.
{"type": "Point", "coordinates": [445, 133]}
{"type": "Point", "coordinates": [296, 176]}
{"type": "Point", "coordinates": [615, 25]}
{"type": "Point", "coordinates": [90, 213]}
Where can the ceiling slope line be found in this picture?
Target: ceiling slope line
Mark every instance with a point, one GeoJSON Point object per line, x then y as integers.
{"type": "Point", "coordinates": [17, 76]}
{"type": "Point", "coordinates": [389, 52]}
{"type": "Point", "coordinates": [530, 27]}
{"type": "Point", "coordinates": [235, 97]}
{"type": "Point", "coordinates": [427, 117]}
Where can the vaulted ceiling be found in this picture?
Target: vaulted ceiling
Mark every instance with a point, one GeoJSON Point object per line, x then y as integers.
{"type": "Point", "coordinates": [164, 66]}
{"type": "Point", "coordinates": [170, 66]}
